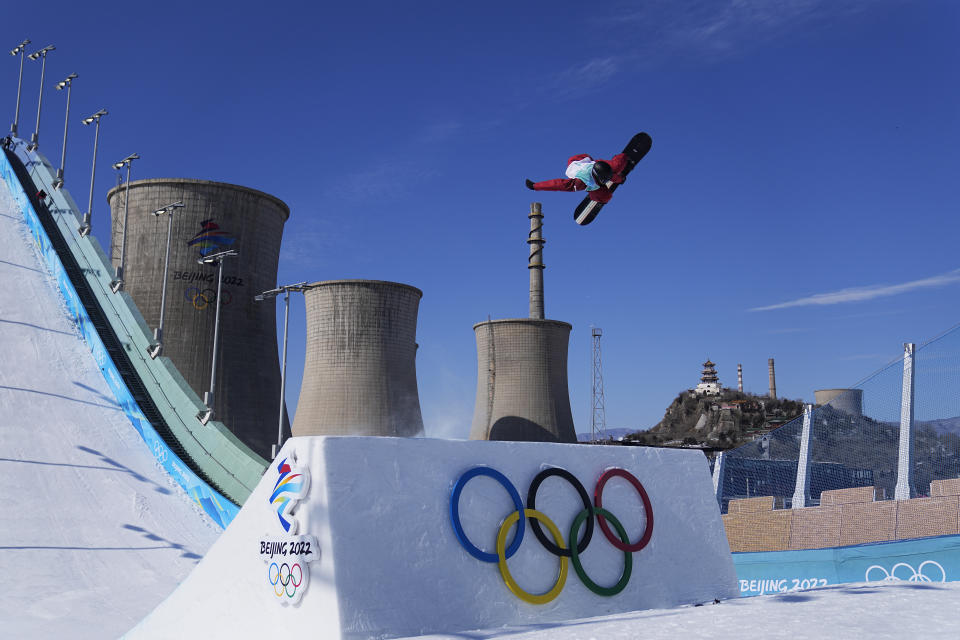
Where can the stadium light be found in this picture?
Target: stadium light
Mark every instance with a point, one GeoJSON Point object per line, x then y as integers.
{"type": "Point", "coordinates": [214, 258]}
{"type": "Point", "coordinates": [117, 284]}
{"type": "Point", "coordinates": [155, 349]}
{"type": "Point", "coordinates": [68, 84]}
{"type": "Point", "coordinates": [18, 50]}
{"type": "Point", "coordinates": [87, 217]}
{"type": "Point", "coordinates": [42, 56]}
{"type": "Point", "coordinates": [269, 295]}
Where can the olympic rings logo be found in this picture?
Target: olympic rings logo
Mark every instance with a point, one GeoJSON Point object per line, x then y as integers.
{"type": "Point", "coordinates": [282, 579]}
{"type": "Point", "coordinates": [557, 547]}
{"type": "Point", "coordinates": [917, 575]}
{"type": "Point", "coordinates": [202, 299]}
{"type": "Point", "coordinates": [159, 452]}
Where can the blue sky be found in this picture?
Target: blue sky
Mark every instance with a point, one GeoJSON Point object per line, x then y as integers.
{"type": "Point", "coordinates": [800, 201]}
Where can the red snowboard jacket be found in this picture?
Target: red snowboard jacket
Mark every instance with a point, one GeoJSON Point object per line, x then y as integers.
{"type": "Point", "coordinates": [602, 195]}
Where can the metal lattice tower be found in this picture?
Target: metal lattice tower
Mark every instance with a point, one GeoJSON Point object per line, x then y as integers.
{"type": "Point", "coordinates": [598, 421]}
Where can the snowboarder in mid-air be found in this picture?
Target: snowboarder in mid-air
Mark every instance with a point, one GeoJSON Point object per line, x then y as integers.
{"type": "Point", "coordinates": [599, 178]}
{"type": "Point", "coordinates": [586, 174]}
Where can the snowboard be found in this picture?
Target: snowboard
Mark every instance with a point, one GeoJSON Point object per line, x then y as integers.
{"type": "Point", "coordinates": [638, 147]}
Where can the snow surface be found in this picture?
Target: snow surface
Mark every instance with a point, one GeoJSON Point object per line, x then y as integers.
{"type": "Point", "coordinates": [870, 611]}
{"type": "Point", "coordinates": [93, 533]}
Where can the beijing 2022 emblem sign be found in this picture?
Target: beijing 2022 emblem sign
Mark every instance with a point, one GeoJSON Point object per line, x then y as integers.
{"type": "Point", "coordinates": [287, 555]}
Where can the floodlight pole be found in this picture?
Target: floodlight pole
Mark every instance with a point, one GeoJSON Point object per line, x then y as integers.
{"type": "Point", "coordinates": [283, 368]}
{"type": "Point", "coordinates": [68, 83]}
{"type": "Point", "coordinates": [286, 289]}
{"type": "Point", "coordinates": [95, 118]}
{"type": "Point", "coordinates": [216, 258]}
{"type": "Point", "coordinates": [21, 49]}
{"type": "Point", "coordinates": [156, 349]}
{"type": "Point", "coordinates": [117, 284]}
{"type": "Point", "coordinates": [42, 54]}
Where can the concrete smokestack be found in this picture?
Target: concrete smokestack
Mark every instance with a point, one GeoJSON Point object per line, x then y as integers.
{"type": "Point", "coordinates": [360, 376]}
{"type": "Point", "coordinates": [740, 378]}
{"type": "Point", "coordinates": [215, 217]}
{"type": "Point", "coordinates": [773, 380]}
{"type": "Point", "coordinates": [522, 389]}
{"type": "Point", "coordinates": [535, 261]}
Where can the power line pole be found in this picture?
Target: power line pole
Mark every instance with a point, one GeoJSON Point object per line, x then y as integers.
{"type": "Point", "coordinates": [598, 421]}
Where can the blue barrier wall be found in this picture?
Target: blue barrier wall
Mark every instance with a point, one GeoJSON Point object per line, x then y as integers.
{"type": "Point", "coordinates": [215, 505]}
{"type": "Point", "coordinates": [922, 560]}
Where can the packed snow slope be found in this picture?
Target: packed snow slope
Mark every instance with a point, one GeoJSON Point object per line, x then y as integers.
{"type": "Point", "coordinates": [93, 534]}
{"type": "Point", "coordinates": [874, 611]}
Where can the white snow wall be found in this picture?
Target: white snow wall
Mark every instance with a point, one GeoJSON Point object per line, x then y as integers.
{"type": "Point", "coordinates": [391, 564]}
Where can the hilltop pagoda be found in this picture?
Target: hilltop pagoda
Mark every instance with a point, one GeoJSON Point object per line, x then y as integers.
{"type": "Point", "coordinates": [709, 382]}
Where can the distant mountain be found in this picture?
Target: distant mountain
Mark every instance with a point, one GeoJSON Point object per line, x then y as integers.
{"type": "Point", "coordinates": [942, 425]}
{"type": "Point", "coordinates": [610, 434]}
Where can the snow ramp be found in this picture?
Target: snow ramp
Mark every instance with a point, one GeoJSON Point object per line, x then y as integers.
{"type": "Point", "coordinates": [353, 537]}
{"type": "Point", "coordinates": [93, 533]}
{"type": "Point", "coordinates": [207, 460]}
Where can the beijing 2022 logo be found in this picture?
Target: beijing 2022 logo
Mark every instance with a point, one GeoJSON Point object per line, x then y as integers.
{"type": "Point", "coordinates": [287, 556]}
{"type": "Point", "coordinates": [558, 548]}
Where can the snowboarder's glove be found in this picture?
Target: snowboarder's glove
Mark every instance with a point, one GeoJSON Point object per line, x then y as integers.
{"type": "Point", "coordinates": [617, 179]}
{"type": "Point", "coordinates": [530, 184]}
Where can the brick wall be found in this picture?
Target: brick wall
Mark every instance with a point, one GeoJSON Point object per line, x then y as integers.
{"type": "Point", "coordinates": [816, 528]}
{"type": "Point", "coordinates": [923, 517]}
{"type": "Point", "coordinates": [844, 517]}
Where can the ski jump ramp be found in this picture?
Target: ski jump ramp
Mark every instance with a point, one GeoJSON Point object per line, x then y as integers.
{"type": "Point", "coordinates": [384, 537]}
{"type": "Point", "coordinates": [93, 533]}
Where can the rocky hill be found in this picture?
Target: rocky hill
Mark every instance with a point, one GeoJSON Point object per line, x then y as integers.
{"type": "Point", "coordinates": [725, 421]}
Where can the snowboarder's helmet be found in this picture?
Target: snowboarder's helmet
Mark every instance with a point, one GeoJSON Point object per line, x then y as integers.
{"type": "Point", "coordinates": [602, 172]}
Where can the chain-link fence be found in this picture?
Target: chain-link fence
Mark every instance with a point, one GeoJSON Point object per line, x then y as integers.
{"type": "Point", "coordinates": [853, 439]}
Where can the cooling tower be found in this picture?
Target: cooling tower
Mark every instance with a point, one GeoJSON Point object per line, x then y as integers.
{"type": "Point", "coordinates": [360, 375]}
{"type": "Point", "coordinates": [522, 367]}
{"type": "Point", "coordinates": [849, 400]}
{"type": "Point", "coordinates": [522, 381]}
{"type": "Point", "coordinates": [215, 217]}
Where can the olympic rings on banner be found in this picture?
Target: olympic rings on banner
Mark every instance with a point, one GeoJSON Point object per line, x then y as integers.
{"type": "Point", "coordinates": [621, 540]}
{"type": "Point", "coordinates": [555, 590]}
{"type": "Point", "coordinates": [201, 299]}
{"type": "Point", "coordinates": [284, 579]}
{"type": "Point", "coordinates": [917, 575]}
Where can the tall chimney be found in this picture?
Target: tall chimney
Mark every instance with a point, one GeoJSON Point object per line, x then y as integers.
{"type": "Point", "coordinates": [535, 261]}
{"type": "Point", "coordinates": [773, 380]}
{"type": "Point", "coordinates": [740, 378]}
{"type": "Point", "coordinates": [522, 389]}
